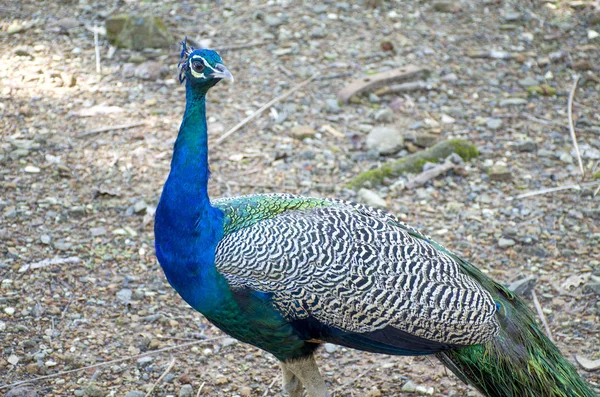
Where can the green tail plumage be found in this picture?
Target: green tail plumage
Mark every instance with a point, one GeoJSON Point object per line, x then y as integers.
{"type": "Point", "coordinates": [521, 361]}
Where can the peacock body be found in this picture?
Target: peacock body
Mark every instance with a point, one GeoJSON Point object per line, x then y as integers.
{"type": "Point", "coordinates": [286, 273]}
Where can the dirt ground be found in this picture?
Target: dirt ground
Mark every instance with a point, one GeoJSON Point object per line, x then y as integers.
{"type": "Point", "coordinates": [85, 199]}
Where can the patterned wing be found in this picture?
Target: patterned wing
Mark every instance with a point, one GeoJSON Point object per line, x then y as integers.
{"type": "Point", "coordinates": [354, 268]}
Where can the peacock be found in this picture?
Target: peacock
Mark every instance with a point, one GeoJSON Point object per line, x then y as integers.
{"type": "Point", "coordinates": [287, 273]}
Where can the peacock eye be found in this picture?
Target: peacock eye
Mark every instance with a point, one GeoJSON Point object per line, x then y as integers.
{"type": "Point", "coordinates": [198, 66]}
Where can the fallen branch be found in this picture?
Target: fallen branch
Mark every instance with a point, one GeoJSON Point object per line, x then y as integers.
{"type": "Point", "coordinates": [49, 262]}
{"type": "Point", "coordinates": [430, 174]}
{"type": "Point", "coordinates": [379, 80]}
{"type": "Point", "coordinates": [540, 313]}
{"type": "Point", "coordinates": [265, 107]}
{"type": "Point", "coordinates": [169, 367]}
{"type": "Point", "coordinates": [571, 128]}
{"type": "Point", "coordinates": [413, 163]}
{"type": "Point", "coordinates": [106, 129]}
{"type": "Point", "coordinates": [551, 190]}
{"type": "Point", "coordinates": [116, 361]}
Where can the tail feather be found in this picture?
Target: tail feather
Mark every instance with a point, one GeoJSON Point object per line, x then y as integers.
{"type": "Point", "coordinates": [521, 361]}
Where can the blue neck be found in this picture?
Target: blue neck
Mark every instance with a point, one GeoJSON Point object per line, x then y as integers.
{"type": "Point", "coordinates": [187, 228]}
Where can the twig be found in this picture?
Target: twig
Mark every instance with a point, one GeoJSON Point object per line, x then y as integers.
{"type": "Point", "coordinates": [596, 191]}
{"type": "Point", "coordinates": [571, 128]}
{"type": "Point", "coordinates": [266, 393]}
{"type": "Point", "coordinates": [118, 360]}
{"type": "Point", "coordinates": [540, 313]}
{"type": "Point", "coordinates": [265, 107]}
{"type": "Point", "coordinates": [97, 48]}
{"type": "Point", "coordinates": [551, 190]}
{"type": "Point", "coordinates": [105, 129]}
{"type": "Point", "coordinates": [200, 389]}
{"type": "Point", "coordinates": [49, 262]}
{"type": "Point", "coordinates": [430, 174]}
{"type": "Point", "coordinates": [169, 367]}
{"type": "Point", "coordinates": [241, 46]}
{"type": "Point", "coordinates": [335, 76]}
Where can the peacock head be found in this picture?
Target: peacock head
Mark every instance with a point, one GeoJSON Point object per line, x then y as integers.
{"type": "Point", "coordinates": [202, 68]}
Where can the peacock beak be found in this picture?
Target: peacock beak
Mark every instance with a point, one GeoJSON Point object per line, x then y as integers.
{"type": "Point", "coordinates": [221, 72]}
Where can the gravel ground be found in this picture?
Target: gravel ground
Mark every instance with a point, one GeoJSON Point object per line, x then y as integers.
{"type": "Point", "coordinates": [85, 199]}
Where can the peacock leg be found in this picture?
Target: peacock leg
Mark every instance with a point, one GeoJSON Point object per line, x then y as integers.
{"type": "Point", "coordinates": [307, 372]}
{"type": "Point", "coordinates": [291, 384]}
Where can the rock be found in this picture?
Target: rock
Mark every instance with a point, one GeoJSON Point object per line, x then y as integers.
{"type": "Point", "coordinates": [22, 51]}
{"type": "Point", "coordinates": [449, 77]}
{"type": "Point", "coordinates": [140, 207]}
{"type": "Point", "coordinates": [98, 231]}
{"type": "Point", "coordinates": [523, 286]}
{"type": "Point", "coordinates": [592, 34]}
{"type": "Point", "coordinates": [445, 119]}
{"type": "Point", "coordinates": [385, 140]}
{"type": "Point", "coordinates": [317, 33]}
{"type": "Point", "coordinates": [512, 16]}
{"type": "Point", "coordinates": [385, 115]}
{"type": "Point", "coordinates": [31, 169]}
{"type": "Point", "coordinates": [500, 172]}
{"type": "Point", "coordinates": [411, 387]}
{"type": "Point", "coordinates": [330, 347]}
{"type": "Point", "coordinates": [22, 391]}
{"type": "Point", "coordinates": [595, 18]}
{"type": "Point", "coordinates": [302, 132]}
{"type": "Point", "coordinates": [186, 391]}
{"type": "Point", "coordinates": [150, 70]}
{"type": "Point", "coordinates": [446, 6]}
{"type": "Point", "coordinates": [135, 393]}
{"type": "Point", "coordinates": [137, 32]}
{"type": "Point", "coordinates": [513, 102]}
{"type": "Point", "coordinates": [93, 391]}
{"type": "Point", "coordinates": [374, 98]}
{"type": "Point", "coordinates": [332, 106]}
{"type": "Point", "coordinates": [67, 23]}
{"type": "Point", "coordinates": [528, 81]}
{"type": "Point", "coordinates": [527, 146]}
{"type": "Point", "coordinates": [374, 392]}
{"type": "Point", "coordinates": [273, 21]}
{"type": "Point", "coordinates": [493, 124]}
{"type": "Point", "coordinates": [371, 198]}
{"type": "Point", "coordinates": [124, 296]}
{"type": "Point", "coordinates": [144, 361]}
{"type": "Point", "coordinates": [425, 140]}
{"type": "Point", "coordinates": [506, 242]}
{"type": "Point", "coordinates": [45, 239]}
{"type": "Point", "coordinates": [245, 391]}
{"type": "Point", "coordinates": [13, 359]}
{"type": "Point", "coordinates": [69, 79]}
{"type": "Point", "coordinates": [582, 65]}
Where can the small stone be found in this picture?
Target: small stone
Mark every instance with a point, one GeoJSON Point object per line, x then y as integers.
{"type": "Point", "coordinates": [592, 34]}
{"type": "Point", "coordinates": [302, 132]}
{"type": "Point", "coordinates": [527, 146]}
{"type": "Point", "coordinates": [32, 368]}
{"type": "Point", "coordinates": [62, 245]}
{"type": "Point", "coordinates": [31, 169]}
{"type": "Point", "coordinates": [15, 28]}
{"type": "Point", "coordinates": [150, 70]}
{"type": "Point", "coordinates": [186, 391]}
{"type": "Point", "coordinates": [245, 391]}
{"type": "Point", "coordinates": [13, 359]}
{"type": "Point", "coordinates": [371, 198]}
{"type": "Point", "coordinates": [22, 51]}
{"type": "Point", "coordinates": [445, 119]}
{"type": "Point", "coordinates": [449, 77]}
{"type": "Point", "coordinates": [140, 207]}
{"type": "Point", "coordinates": [528, 82]}
{"type": "Point", "coordinates": [93, 391]}
{"type": "Point", "coordinates": [69, 79]}
{"type": "Point", "coordinates": [274, 21]}
{"type": "Point", "coordinates": [373, 98]}
{"type": "Point", "coordinates": [385, 115]}
{"type": "Point", "coordinates": [45, 239]}
{"type": "Point", "coordinates": [523, 286]}
{"type": "Point", "coordinates": [374, 392]}
{"type": "Point", "coordinates": [512, 16]}
{"type": "Point", "coordinates": [500, 172]}
{"type": "Point", "coordinates": [565, 158]}
{"type": "Point", "coordinates": [144, 361]}
{"type": "Point", "coordinates": [22, 391]}
{"type": "Point", "coordinates": [425, 140]}
{"type": "Point", "coordinates": [506, 242]}
{"type": "Point", "coordinates": [493, 124]}
{"type": "Point", "coordinates": [446, 6]}
{"type": "Point", "coordinates": [330, 347]}
{"type": "Point", "coordinates": [332, 106]}
{"type": "Point", "coordinates": [135, 393]}
{"type": "Point", "coordinates": [317, 33]}
{"type": "Point", "coordinates": [124, 296]}
{"type": "Point", "coordinates": [582, 65]}
{"type": "Point", "coordinates": [513, 102]}
{"type": "Point", "coordinates": [9, 310]}
{"type": "Point", "coordinates": [545, 153]}
{"type": "Point", "coordinates": [98, 231]}
{"type": "Point", "coordinates": [385, 140]}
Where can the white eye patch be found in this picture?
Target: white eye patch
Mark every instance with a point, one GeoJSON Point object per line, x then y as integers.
{"type": "Point", "coordinates": [199, 74]}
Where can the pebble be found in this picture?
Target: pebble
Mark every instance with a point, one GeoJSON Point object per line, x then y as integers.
{"type": "Point", "coordinates": [98, 231]}
{"type": "Point", "coordinates": [449, 77]}
{"type": "Point", "coordinates": [512, 16]}
{"type": "Point", "coordinates": [506, 242]}
{"type": "Point", "coordinates": [13, 359]}
{"type": "Point", "coordinates": [245, 391]}
{"type": "Point", "coordinates": [302, 132]}
{"type": "Point", "coordinates": [592, 34]}
{"type": "Point", "coordinates": [317, 33]}
{"type": "Point", "coordinates": [374, 392]}
{"type": "Point", "coordinates": [31, 169]}
{"type": "Point", "coordinates": [385, 115]}
{"type": "Point", "coordinates": [371, 198]}
{"type": "Point", "coordinates": [445, 119]}
{"type": "Point", "coordinates": [523, 286]}
{"type": "Point", "coordinates": [330, 347]}
{"type": "Point", "coordinates": [412, 387]}
{"type": "Point", "coordinates": [513, 102]}
{"type": "Point", "coordinates": [150, 70]}
{"type": "Point", "coordinates": [494, 124]}
{"type": "Point", "coordinates": [9, 310]}
{"type": "Point", "coordinates": [186, 391]}
{"type": "Point", "coordinates": [93, 391]}
{"type": "Point", "coordinates": [140, 207]}
{"type": "Point", "coordinates": [332, 105]}
{"type": "Point", "coordinates": [385, 140]}
{"type": "Point", "coordinates": [527, 146]}
{"type": "Point", "coordinates": [22, 391]}
{"type": "Point", "coordinates": [124, 296]}
{"type": "Point", "coordinates": [135, 393]}
{"type": "Point", "coordinates": [144, 361]}
{"type": "Point", "coordinates": [45, 239]}
{"type": "Point", "coordinates": [445, 6]}
{"type": "Point", "coordinates": [274, 21]}
{"type": "Point", "coordinates": [500, 172]}
{"type": "Point", "coordinates": [528, 82]}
